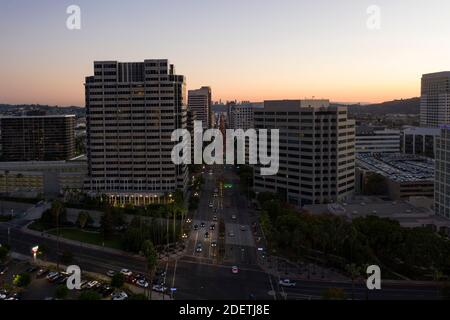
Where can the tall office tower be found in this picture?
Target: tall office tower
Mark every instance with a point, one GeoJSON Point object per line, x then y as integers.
{"type": "Point", "coordinates": [191, 118]}
{"type": "Point", "coordinates": [317, 151]}
{"type": "Point", "coordinates": [377, 140]}
{"type": "Point", "coordinates": [240, 116]}
{"type": "Point", "coordinates": [435, 99]}
{"type": "Point", "coordinates": [200, 102]}
{"type": "Point", "coordinates": [442, 174]}
{"type": "Point", "coordinates": [39, 138]}
{"type": "Point", "coordinates": [131, 111]}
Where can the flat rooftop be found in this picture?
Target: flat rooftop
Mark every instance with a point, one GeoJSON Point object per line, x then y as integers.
{"type": "Point", "coordinates": [407, 214]}
{"type": "Point", "coordinates": [397, 166]}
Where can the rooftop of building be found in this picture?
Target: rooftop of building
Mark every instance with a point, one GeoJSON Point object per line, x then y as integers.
{"type": "Point", "coordinates": [406, 213]}
{"type": "Point", "coordinates": [397, 166]}
{"type": "Point", "coordinates": [39, 117]}
{"type": "Point", "coordinates": [422, 131]}
{"type": "Point", "coordinates": [366, 130]}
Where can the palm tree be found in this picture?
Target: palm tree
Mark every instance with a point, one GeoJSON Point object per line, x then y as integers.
{"type": "Point", "coordinates": [56, 210]}
{"type": "Point", "coordinates": [149, 251]}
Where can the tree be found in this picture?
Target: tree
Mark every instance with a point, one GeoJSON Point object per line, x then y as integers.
{"type": "Point", "coordinates": [84, 219]}
{"type": "Point", "coordinates": [4, 250]}
{"type": "Point", "coordinates": [106, 223]}
{"type": "Point", "coordinates": [151, 256]}
{"type": "Point", "coordinates": [42, 251]}
{"type": "Point", "coordinates": [22, 280]}
{"type": "Point", "coordinates": [117, 280]}
{"type": "Point", "coordinates": [89, 295]}
{"type": "Point", "coordinates": [333, 294]}
{"type": "Point", "coordinates": [67, 257]}
{"type": "Point", "coordinates": [61, 292]}
{"type": "Point", "coordinates": [58, 213]}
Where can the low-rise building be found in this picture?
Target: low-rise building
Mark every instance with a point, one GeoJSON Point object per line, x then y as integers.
{"type": "Point", "coordinates": [370, 139]}
{"type": "Point", "coordinates": [48, 178]}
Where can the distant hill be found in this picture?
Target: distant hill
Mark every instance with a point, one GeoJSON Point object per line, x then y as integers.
{"type": "Point", "coordinates": [22, 109]}
{"type": "Point", "coordinates": [404, 106]}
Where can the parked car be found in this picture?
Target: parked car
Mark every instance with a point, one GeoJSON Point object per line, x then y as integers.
{"type": "Point", "coordinates": [231, 234]}
{"type": "Point", "coordinates": [3, 269]}
{"type": "Point", "coordinates": [214, 218]}
{"type": "Point", "coordinates": [212, 227]}
{"type": "Point", "coordinates": [32, 269]}
{"type": "Point", "coordinates": [41, 272]}
{"type": "Point", "coordinates": [234, 269]}
{"type": "Point", "coordinates": [159, 288]}
{"type": "Point", "coordinates": [199, 248]}
{"type": "Point", "coordinates": [142, 283]}
{"type": "Point", "coordinates": [126, 272]}
{"type": "Point", "coordinates": [119, 296]}
{"type": "Point", "coordinates": [233, 217]}
{"type": "Point", "coordinates": [287, 283]}
{"type": "Point", "coordinates": [110, 273]}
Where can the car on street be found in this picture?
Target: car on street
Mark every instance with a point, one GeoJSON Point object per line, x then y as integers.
{"type": "Point", "coordinates": [231, 234]}
{"type": "Point", "coordinates": [188, 220]}
{"type": "Point", "coordinates": [195, 227]}
{"type": "Point", "coordinates": [199, 248]}
{"type": "Point", "coordinates": [126, 272]}
{"type": "Point", "coordinates": [52, 275]}
{"type": "Point", "coordinates": [210, 204]}
{"type": "Point", "coordinates": [243, 228]}
{"type": "Point", "coordinates": [214, 218]}
{"type": "Point", "coordinates": [119, 296]}
{"type": "Point", "coordinates": [184, 236]}
{"type": "Point", "coordinates": [234, 269]}
{"type": "Point", "coordinates": [206, 235]}
{"type": "Point", "coordinates": [214, 243]}
{"type": "Point", "coordinates": [110, 273]}
{"type": "Point", "coordinates": [212, 227]}
{"type": "Point", "coordinates": [3, 294]}
{"type": "Point", "coordinates": [202, 225]}
{"type": "Point", "coordinates": [287, 283]}
{"type": "Point", "coordinates": [233, 217]}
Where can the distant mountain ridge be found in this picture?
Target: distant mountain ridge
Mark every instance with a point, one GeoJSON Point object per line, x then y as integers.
{"type": "Point", "coordinates": [404, 106]}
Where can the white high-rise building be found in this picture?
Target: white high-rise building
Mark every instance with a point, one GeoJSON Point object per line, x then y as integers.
{"type": "Point", "coordinates": [435, 99]}
{"type": "Point", "coordinates": [442, 174]}
{"type": "Point", "coordinates": [199, 101]}
{"type": "Point", "coordinates": [240, 116]}
{"type": "Point", "coordinates": [317, 151]}
{"type": "Point", "coordinates": [131, 111]}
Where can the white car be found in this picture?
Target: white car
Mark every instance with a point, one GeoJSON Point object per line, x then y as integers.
{"type": "Point", "coordinates": [110, 273]}
{"type": "Point", "coordinates": [159, 288]}
{"type": "Point", "coordinates": [119, 296]}
{"type": "Point", "coordinates": [126, 272]}
{"type": "Point", "coordinates": [142, 283]}
{"type": "Point", "coordinates": [287, 283]}
{"type": "Point", "coordinates": [234, 269]}
{"type": "Point", "coordinates": [231, 234]}
{"type": "Point", "coordinates": [210, 205]}
{"type": "Point", "coordinates": [233, 217]}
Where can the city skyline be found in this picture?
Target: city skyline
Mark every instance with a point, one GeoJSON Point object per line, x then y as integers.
{"type": "Point", "coordinates": [322, 50]}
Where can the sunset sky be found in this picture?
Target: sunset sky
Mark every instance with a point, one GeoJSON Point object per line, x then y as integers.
{"type": "Point", "coordinates": [244, 49]}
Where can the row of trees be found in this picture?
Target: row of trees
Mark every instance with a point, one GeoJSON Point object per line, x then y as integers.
{"type": "Point", "coordinates": [416, 253]}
